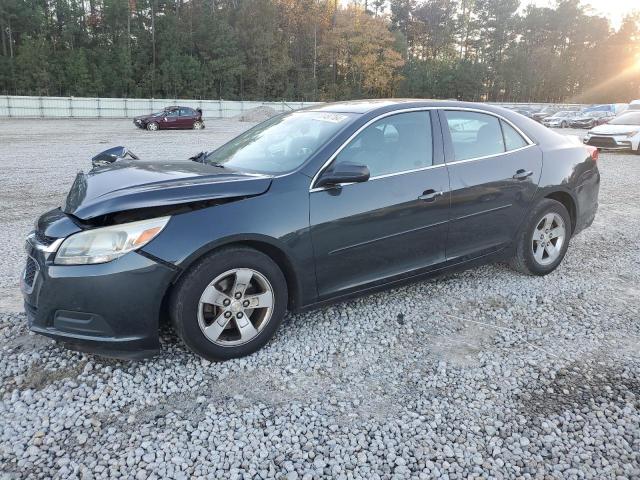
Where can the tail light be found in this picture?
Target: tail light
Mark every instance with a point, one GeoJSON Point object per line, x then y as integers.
{"type": "Point", "coordinates": [594, 153]}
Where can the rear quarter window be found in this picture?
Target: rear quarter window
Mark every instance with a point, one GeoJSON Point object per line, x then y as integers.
{"type": "Point", "coordinates": [512, 139]}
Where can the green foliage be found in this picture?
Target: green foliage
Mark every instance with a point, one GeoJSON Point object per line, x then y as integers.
{"type": "Point", "coordinates": [308, 50]}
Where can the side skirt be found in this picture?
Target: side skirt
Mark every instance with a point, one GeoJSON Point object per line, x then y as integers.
{"type": "Point", "coordinates": [394, 282]}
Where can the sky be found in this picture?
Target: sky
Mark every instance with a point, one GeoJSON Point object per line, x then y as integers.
{"type": "Point", "coordinates": [615, 10]}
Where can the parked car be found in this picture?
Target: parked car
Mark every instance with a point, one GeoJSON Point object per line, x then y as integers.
{"type": "Point", "coordinates": [621, 133]}
{"type": "Point", "coordinates": [545, 112]}
{"type": "Point", "coordinates": [524, 111]}
{"type": "Point", "coordinates": [171, 118]}
{"type": "Point", "coordinates": [634, 105]}
{"type": "Point", "coordinates": [591, 119]}
{"type": "Point", "coordinates": [615, 108]}
{"type": "Point", "coordinates": [560, 119]}
{"type": "Point", "coordinates": [307, 208]}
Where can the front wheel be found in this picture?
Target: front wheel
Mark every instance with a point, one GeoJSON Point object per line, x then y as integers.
{"type": "Point", "coordinates": [564, 125]}
{"type": "Point", "coordinates": [229, 304]}
{"type": "Point", "coordinates": [544, 239]}
{"type": "Point", "coordinates": [152, 126]}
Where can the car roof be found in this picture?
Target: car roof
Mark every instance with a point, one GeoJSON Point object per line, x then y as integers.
{"type": "Point", "coordinates": [390, 104]}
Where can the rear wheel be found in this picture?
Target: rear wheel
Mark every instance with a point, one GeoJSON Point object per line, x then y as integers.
{"type": "Point", "coordinates": [152, 126]}
{"type": "Point", "coordinates": [544, 239]}
{"type": "Point", "coordinates": [198, 125]}
{"type": "Point", "coordinates": [230, 303]}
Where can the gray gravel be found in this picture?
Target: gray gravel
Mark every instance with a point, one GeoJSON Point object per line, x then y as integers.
{"type": "Point", "coordinates": [481, 374]}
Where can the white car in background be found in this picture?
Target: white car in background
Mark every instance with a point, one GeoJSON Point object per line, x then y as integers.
{"type": "Point", "coordinates": [560, 119]}
{"type": "Point", "coordinates": [621, 133]}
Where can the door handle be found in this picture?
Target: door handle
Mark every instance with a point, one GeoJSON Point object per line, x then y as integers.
{"type": "Point", "coordinates": [429, 195]}
{"type": "Point", "coordinates": [522, 174]}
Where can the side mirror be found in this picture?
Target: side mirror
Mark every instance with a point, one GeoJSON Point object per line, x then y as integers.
{"type": "Point", "coordinates": [111, 155]}
{"type": "Point", "coordinates": [344, 173]}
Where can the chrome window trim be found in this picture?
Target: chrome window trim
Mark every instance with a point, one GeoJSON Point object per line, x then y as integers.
{"type": "Point", "coordinates": [326, 164]}
{"type": "Point", "coordinates": [377, 177]}
{"type": "Point", "coordinates": [455, 162]}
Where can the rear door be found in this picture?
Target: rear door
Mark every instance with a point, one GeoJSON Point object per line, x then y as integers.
{"type": "Point", "coordinates": [187, 116]}
{"type": "Point", "coordinates": [494, 171]}
{"type": "Point", "coordinates": [393, 224]}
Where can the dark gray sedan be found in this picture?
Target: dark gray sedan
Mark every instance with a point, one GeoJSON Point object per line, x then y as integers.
{"type": "Point", "coordinates": [304, 209]}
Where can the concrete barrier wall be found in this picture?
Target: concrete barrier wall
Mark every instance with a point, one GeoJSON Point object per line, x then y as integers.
{"type": "Point", "coordinates": [78, 107]}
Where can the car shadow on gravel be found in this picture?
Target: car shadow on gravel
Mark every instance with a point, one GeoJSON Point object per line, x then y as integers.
{"type": "Point", "coordinates": [579, 386]}
{"type": "Point", "coordinates": [37, 377]}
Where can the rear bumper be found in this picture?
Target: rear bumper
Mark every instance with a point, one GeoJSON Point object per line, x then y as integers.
{"type": "Point", "coordinates": [111, 309]}
{"type": "Point", "coordinates": [587, 200]}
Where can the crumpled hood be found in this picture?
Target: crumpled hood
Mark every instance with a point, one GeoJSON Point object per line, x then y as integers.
{"type": "Point", "coordinates": [608, 129]}
{"type": "Point", "coordinates": [143, 117]}
{"type": "Point", "coordinates": [128, 185]}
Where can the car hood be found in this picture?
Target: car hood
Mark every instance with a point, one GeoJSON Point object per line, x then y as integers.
{"type": "Point", "coordinates": [608, 129]}
{"type": "Point", "coordinates": [129, 185]}
{"type": "Point", "coordinates": [143, 117]}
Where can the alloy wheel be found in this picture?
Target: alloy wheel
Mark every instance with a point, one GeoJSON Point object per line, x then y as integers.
{"type": "Point", "coordinates": [235, 307]}
{"type": "Point", "coordinates": [548, 238]}
{"type": "Point", "coordinates": [197, 125]}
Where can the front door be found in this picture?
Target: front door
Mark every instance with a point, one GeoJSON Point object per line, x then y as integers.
{"type": "Point", "coordinates": [391, 225]}
{"type": "Point", "coordinates": [494, 173]}
{"type": "Point", "coordinates": [172, 119]}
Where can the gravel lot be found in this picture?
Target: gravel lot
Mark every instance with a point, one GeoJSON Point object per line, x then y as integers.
{"type": "Point", "coordinates": [485, 373]}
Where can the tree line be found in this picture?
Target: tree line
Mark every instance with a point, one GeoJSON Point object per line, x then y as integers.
{"type": "Point", "coordinates": [317, 50]}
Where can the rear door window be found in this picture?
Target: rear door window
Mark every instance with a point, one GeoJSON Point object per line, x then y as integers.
{"type": "Point", "coordinates": [474, 134]}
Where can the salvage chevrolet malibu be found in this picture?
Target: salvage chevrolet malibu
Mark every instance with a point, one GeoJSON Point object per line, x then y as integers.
{"type": "Point", "coordinates": [306, 208]}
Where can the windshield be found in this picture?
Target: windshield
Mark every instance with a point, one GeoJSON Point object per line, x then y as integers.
{"type": "Point", "coordinates": [280, 144]}
{"type": "Point", "coordinates": [631, 118]}
{"type": "Point", "coordinates": [158, 114]}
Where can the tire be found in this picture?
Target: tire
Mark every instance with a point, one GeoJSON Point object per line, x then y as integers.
{"type": "Point", "coordinates": [152, 126]}
{"type": "Point", "coordinates": [199, 322]}
{"type": "Point", "coordinates": [198, 125]}
{"type": "Point", "coordinates": [524, 259]}
{"type": "Point", "coordinates": [563, 125]}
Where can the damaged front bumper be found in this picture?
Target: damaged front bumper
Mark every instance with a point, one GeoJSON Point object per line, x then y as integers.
{"type": "Point", "coordinates": [112, 309]}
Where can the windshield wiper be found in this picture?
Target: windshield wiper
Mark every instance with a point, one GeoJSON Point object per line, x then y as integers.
{"type": "Point", "coordinates": [202, 158]}
{"type": "Point", "coordinates": [199, 157]}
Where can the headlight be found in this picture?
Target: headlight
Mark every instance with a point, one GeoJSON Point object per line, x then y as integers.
{"type": "Point", "coordinates": [632, 134]}
{"type": "Point", "coordinates": [102, 245]}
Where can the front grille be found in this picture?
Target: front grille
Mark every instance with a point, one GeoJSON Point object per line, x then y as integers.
{"type": "Point", "coordinates": [30, 271]}
{"type": "Point", "coordinates": [604, 142]}
{"type": "Point", "coordinates": [42, 239]}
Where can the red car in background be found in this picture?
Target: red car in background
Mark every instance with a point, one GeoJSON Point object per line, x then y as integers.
{"type": "Point", "coordinates": [171, 118]}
